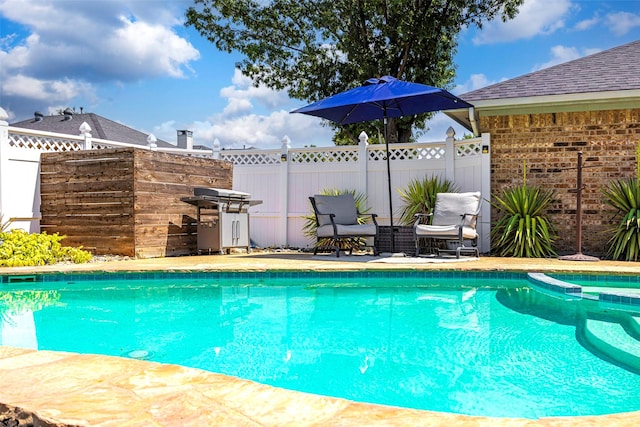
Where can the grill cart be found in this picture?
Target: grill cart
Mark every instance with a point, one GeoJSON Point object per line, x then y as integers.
{"type": "Point", "coordinates": [223, 219]}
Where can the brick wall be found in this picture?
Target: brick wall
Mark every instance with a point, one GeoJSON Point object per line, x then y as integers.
{"type": "Point", "coordinates": [549, 144]}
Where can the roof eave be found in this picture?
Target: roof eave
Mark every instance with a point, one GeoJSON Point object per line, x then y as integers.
{"type": "Point", "coordinates": [572, 102]}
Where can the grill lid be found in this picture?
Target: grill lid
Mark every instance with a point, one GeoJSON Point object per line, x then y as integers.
{"type": "Point", "coordinates": [220, 193]}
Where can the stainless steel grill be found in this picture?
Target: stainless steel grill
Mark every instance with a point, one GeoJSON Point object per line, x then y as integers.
{"type": "Point", "coordinates": [223, 219]}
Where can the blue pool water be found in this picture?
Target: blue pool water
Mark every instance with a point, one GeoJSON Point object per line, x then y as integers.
{"type": "Point", "coordinates": [463, 343]}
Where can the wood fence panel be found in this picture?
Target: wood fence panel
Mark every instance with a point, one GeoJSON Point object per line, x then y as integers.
{"type": "Point", "coordinates": [126, 201]}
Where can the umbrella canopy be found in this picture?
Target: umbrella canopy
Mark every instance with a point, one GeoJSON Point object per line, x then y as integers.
{"type": "Point", "coordinates": [381, 98]}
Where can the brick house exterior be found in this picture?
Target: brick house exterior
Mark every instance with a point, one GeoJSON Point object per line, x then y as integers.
{"type": "Point", "coordinates": [543, 119]}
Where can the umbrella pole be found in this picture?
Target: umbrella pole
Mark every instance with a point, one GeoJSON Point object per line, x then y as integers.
{"type": "Point", "coordinates": [579, 256]}
{"type": "Point", "coordinates": [386, 142]}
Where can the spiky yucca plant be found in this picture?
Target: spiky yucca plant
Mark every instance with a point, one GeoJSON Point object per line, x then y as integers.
{"type": "Point", "coordinates": [624, 196]}
{"type": "Point", "coordinates": [523, 229]}
{"type": "Point", "coordinates": [419, 196]}
{"type": "Point", "coordinates": [310, 225]}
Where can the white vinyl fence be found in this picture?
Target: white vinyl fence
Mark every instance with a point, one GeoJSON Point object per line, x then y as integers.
{"type": "Point", "coordinates": [283, 179]}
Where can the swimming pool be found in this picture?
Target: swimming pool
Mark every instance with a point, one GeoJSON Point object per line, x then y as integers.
{"type": "Point", "coordinates": [469, 343]}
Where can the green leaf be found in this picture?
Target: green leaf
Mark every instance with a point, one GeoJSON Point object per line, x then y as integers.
{"type": "Point", "coordinates": [522, 228]}
{"type": "Point", "coordinates": [624, 196]}
{"type": "Point", "coordinates": [419, 196]}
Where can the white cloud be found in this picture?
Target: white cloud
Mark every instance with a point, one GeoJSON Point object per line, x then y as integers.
{"type": "Point", "coordinates": [251, 130]}
{"type": "Point", "coordinates": [144, 50]}
{"type": "Point", "coordinates": [67, 49]}
{"type": "Point", "coordinates": [237, 106]}
{"type": "Point", "coordinates": [242, 95]}
{"type": "Point", "coordinates": [127, 51]}
{"type": "Point", "coordinates": [166, 131]}
{"type": "Point", "coordinates": [476, 81]}
{"type": "Point", "coordinates": [45, 90]}
{"type": "Point", "coordinates": [438, 127]}
{"type": "Point", "coordinates": [560, 54]}
{"type": "Point", "coordinates": [262, 131]}
{"type": "Point", "coordinates": [256, 117]}
{"type": "Point", "coordinates": [241, 126]}
{"type": "Point", "coordinates": [587, 24]}
{"type": "Point", "coordinates": [621, 23]}
{"type": "Point", "coordinates": [536, 17]}
{"type": "Point", "coordinates": [243, 123]}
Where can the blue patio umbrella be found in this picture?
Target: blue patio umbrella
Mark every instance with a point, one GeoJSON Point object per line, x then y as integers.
{"type": "Point", "coordinates": [381, 98]}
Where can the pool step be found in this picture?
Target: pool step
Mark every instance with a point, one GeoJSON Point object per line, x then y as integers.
{"type": "Point", "coordinates": [633, 326]}
{"type": "Point", "coordinates": [613, 341]}
{"type": "Point", "coordinates": [613, 336]}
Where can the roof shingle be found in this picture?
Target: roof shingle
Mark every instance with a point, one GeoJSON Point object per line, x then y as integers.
{"type": "Point", "coordinates": [614, 69]}
{"type": "Point", "coordinates": [101, 128]}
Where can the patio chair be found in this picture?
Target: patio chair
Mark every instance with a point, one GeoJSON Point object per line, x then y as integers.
{"type": "Point", "coordinates": [337, 219]}
{"type": "Point", "coordinates": [454, 219]}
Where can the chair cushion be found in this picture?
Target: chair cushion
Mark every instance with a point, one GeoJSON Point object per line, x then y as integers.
{"type": "Point", "coordinates": [450, 206]}
{"type": "Point", "coordinates": [445, 231]}
{"type": "Point", "coordinates": [342, 206]}
{"type": "Point", "coordinates": [356, 230]}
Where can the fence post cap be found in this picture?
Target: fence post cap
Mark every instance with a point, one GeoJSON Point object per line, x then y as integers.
{"type": "Point", "coordinates": [84, 128]}
{"type": "Point", "coordinates": [363, 137]}
{"type": "Point", "coordinates": [451, 132]}
{"type": "Point", "coordinates": [151, 141]}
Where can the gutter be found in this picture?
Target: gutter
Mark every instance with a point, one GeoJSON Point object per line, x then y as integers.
{"type": "Point", "coordinates": [474, 122]}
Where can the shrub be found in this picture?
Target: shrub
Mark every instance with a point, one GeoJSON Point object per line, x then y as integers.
{"type": "Point", "coordinates": [624, 196]}
{"type": "Point", "coordinates": [19, 248]}
{"type": "Point", "coordinates": [523, 229]}
{"type": "Point", "coordinates": [419, 197]}
{"type": "Point", "coordinates": [17, 302]}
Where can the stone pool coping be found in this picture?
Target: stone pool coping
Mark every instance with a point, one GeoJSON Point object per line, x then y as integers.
{"type": "Point", "coordinates": [65, 389]}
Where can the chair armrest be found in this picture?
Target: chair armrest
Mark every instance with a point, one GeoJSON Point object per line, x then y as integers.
{"type": "Point", "coordinates": [372, 215]}
{"type": "Point", "coordinates": [421, 217]}
{"type": "Point", "coordinates": [330, 215]}
{"type": "Point", "coordinates": [472, 215]}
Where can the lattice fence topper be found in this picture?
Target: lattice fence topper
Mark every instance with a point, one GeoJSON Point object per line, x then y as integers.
{"type": "Point", "coordinates": [467, 150]}
{"type": "Point", "coordinates": [251, 158]}
{"type": "Point", "coordinates": [201, 155]}
{"type": "Point", "coordinates": [102, 146]}
{"type": "Point", "coordinates": [43, 143]}
{"type": "Point", "coordinates": [324, 156]}
{"type": "Point", "coordinates": [408, 153]}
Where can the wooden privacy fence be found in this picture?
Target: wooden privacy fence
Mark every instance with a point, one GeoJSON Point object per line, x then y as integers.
{"type": "Point", "coordinates": [126, 200]}
{"type": "Point", "coordinates": [132, 196]}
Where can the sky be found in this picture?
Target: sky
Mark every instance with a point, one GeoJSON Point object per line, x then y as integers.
{"type": "Point", "coordinates": [135, 62]}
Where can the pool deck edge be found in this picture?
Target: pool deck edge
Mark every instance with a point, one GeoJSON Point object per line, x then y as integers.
{"type": "Point", "coordinates": [68, 389]}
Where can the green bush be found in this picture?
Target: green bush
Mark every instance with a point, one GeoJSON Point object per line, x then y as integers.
{"type": "Point", "coordinates": [16, 302]}
{"type": "Point", "coordinates": [19, 248]}
{"type": "Point", "coordinates": [624, 196]}
{"type": "Point", "coordinates": [523, 229]}
{"type": "Point", "coordinates": [419, 197]}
